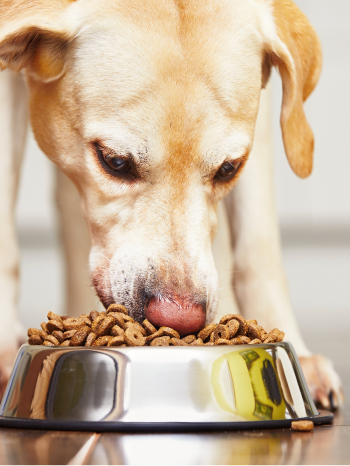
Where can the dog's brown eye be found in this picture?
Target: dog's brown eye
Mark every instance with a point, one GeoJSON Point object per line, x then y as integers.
{"type": "Point", "coordinates": [228, 170]}
{"type": "Point", "coordinates": [114, 164]}
{"type": "Point", "coordinates": [118, 164]}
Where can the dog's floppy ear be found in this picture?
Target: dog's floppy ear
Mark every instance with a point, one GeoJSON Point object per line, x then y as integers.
{"type": "Point", "coordinates": [33, 36]}
{"type": "Point", "coordinates": [295, 49]}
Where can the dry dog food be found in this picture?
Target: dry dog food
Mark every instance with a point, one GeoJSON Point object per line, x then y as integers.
{"type": "Point", "coordinates": [115, 327]}
{"type": "Point", "coordinates": [303, 426]}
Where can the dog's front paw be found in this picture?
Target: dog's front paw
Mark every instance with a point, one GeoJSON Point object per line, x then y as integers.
{"type": "Point", "coordinates": [7, 358]}
{"type": "Point", "coordinates": [323, 382]}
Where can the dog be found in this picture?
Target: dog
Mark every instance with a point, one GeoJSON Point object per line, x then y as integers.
{"type": "Point", "coordinates": [150, 108]}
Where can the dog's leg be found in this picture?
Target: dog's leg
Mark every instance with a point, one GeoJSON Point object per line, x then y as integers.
{"type": "Point", "coordinates": [13, 130]}
{"type": "Point", "coordinates": [259, 279]}
{"type": "Point", "coordinates": [80, 297]}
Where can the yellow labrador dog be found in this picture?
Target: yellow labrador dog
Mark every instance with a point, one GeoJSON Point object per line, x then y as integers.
{"type": "Point", "coordinates": [150, 108]}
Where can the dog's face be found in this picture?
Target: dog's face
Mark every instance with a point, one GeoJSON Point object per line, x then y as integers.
{"type": "Point", "coordinates": [151, 110]}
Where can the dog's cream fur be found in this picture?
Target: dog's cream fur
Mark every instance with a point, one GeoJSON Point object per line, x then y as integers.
{"type": "Point", "coordinates": [174, 84]}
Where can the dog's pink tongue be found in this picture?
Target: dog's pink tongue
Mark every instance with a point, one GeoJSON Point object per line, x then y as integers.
{"type": "Point", "coordinates": [181, 315]}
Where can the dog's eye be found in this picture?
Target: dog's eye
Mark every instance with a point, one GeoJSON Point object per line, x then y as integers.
{"type": "Point", "coordinates": [118, 164]}
{"type": "Point", "coordinates": [114, 164]}
{"type": "Point", "coordinates": [228, 170]}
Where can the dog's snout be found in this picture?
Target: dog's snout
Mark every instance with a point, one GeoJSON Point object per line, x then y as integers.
{"type": "Point", "coordinates": [181, 314]}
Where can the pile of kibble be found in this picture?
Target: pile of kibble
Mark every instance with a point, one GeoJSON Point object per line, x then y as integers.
{"type": "Point", "coordinates": [115, 327]}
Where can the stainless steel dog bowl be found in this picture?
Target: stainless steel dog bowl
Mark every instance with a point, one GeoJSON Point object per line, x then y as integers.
{"type": "Point", "coordinates": [157, 388]}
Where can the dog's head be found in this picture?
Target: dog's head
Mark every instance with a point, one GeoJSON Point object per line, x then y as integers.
{"type": "Point", "coordinates": [150, 107]}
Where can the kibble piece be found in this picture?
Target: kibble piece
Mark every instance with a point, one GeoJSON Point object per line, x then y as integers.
{"type": "Point", "coordinates": [221, 331]}
{"type": "Point", "coordinates": [189, 339]}
{"type": "Point", "coordinates": [236, 341]}
{"type": "Point", "coordinates": [253, 331]}
{"type": "Point", "coordinates": [198, 342]}
{"type": "Point", "coordinates": [35, 340]}
{"type": "Point", "coordinates": [223, 341]}
{"type": "Point", "coordinates": [48, 343]}
{"type": "Point", "coordinates": [53, 316]}
{"type": "Point", "coordinates": [303, 426]}
{"type": "Point", "coordinates": [65, 343]}
{"type": "Point", "coordinates": [263, 334]}
{"type": "Point", "coordinates": [105, 326]}
{"type": "Point", "coordinates": [272, 336]}
{"type": "Point", "coordinates": [90, 339]}
{"type": "Point", "coordinates": [169, 332]}
{"type": "Point", "coordinates": [93, 315]}
{"type": "Point", "coordinates": [119, 317]}
{"type": "Point", "coordinates": [233, 326]}
{"type": "Point", "coordinates": [134, 338]}
{"type": "Point", "coordinates": [97, 322]}
{"type": "Point", "coordinates": [64, 318]}
{"type": "Point", "coordinates": [127, 319]}
{"type": "Point", "coordinates": [116, 341]}
{"type": "Point", "coordinates": [243, 339]}
{"type": "Point", "coordinates": [207, 331]}
{"type": "Point", "coordinates": [87, 321]}
{"type": "Point", "coordinates": [137, 326]}
{"type": "Point", "coordinates": [102, 341]}
{"type": "Point", "coordinates": [54, 325]}
{"type": "Point", "coordinates": [243, 327]}
{"type": "Point", "coordinates": [52, 340]}
{"type": "Point", "coordinates": [256, 341]}
{"type": "Point", "coordinates": [140, 328]}
{"type": "Point", "coordinates": [44, 327]}
{"type": "Point", "coordinates": [74, 323]}
{"type": "Point", "coordinates": [69, 334]}
{"type": "Point", "coordinates": [149, 327]}
{"type": "Point", "coordinates": [161, 341]}
{"type": "Point", "coordinates": [116, 331]}
{"type": "Point", "coordinates": [80, 336]}
{"type": "Point", "coordinates": [117, 308]}
{"type": "Point", "coordinates": [178, 342]}
{"type": "Point", "coordinates": [252, 321]}
{"type": "Point", "coordinates": [151, 337]}
{"type": "Point", "coordinates": [209, 343]}
{"type": "Point", "coordinates": [59, 335]}
{"type": "Point", "coordinates": [36, 331]}
{"type": "Point", "coordinates": [226, 318]}
{"type": "Point", "coordinates": [280, 337]}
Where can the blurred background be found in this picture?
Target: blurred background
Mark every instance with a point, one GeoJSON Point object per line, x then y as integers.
{"type": "Point", "coordinates": [314, 214]}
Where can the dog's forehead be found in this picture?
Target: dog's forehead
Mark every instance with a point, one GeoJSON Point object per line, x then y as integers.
{"type": "Point", "coordinates": [155, 72]}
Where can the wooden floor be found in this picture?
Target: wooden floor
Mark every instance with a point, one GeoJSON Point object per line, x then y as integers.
{"type": "Point", "coordinates": [326, 445]}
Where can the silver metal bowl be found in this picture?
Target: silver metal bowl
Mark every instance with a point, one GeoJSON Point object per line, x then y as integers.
{"type": "Point", "coordinates": [157, 388]}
